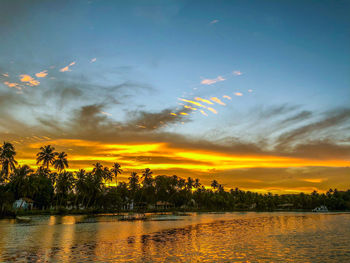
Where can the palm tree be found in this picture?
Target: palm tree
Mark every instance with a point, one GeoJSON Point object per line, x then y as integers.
{"type": "Point", "coordinates": [196, 184]}
{"type": "Point", "coordinates": [147, 176]}
{"type": "Point", "coordinates": [107, 175]}
{"type": "Point", "coordinates": [116, 170]}
{"type": "Point", "coordinates": [189, 183]}
{"type": "Point", "coordinates": [46, 156]}
{"type": "Point", "coordinates": [19, 183]}
{"type": "Point", "coordinates": [80, 185]}
{"type": "Point", "coordinates": [64, 185]}
{"type": "Point", "coordinates": [98, 170]}
{"type": "Point", "coordinates": [7, 160]}
{"type": "Point", "coordinates": [61, 161]}
{"type": "Point", "coordinates": [214, 184]}
{"type": "Point", "coordinates": [133, 182]}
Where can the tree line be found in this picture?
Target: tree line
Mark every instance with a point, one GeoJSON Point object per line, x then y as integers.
{"type": "Point", "coordinates": [52, 187]}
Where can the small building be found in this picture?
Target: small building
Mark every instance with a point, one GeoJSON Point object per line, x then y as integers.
{"type": "Point", "coordinates": [163, 205]}
{"type": "Point", "coordinates": [23, 203]}
{"type": "Point", "coordinates": [321, 208]}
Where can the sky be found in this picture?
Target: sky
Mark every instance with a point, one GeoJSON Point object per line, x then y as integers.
{"type": "Point", "coordinates": [254, 94]}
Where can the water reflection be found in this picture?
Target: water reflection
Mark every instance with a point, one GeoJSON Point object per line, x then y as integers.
{"type": "Point", "coordinates": [233, 237]}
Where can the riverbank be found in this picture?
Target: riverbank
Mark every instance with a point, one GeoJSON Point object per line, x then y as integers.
{"type": "Point", "coordinates": [66, 212]}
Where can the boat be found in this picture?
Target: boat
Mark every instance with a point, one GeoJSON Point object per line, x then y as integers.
{"type": "Point", "coordinates": [321, 208]}
{"type": "Point", "coordinates": [23, 219]}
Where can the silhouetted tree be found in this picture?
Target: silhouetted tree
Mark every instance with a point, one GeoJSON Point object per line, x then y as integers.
{"type": "Point", "coordinates": [61, 162]}
{"type": "Point", "coordinates": [7, 160]}
{"type": "Point", "coordinates": [116, 169]}
{"type": "Point", "coordinates": [46, 156]}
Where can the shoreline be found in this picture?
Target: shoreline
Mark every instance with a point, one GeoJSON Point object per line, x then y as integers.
{"type": "Point", "coordinates": [130, 212]}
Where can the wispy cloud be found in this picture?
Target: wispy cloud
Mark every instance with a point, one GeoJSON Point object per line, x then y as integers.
{"type": "Point", "coordinates": [239, 94]}
{"type": "Point", "coordinates": [29, 80]}
{"type": "Point", "coordinates": [193, 102]}
{"type": "Point", "coordinates": [189, 107]}
{"type": "Point", "coordinates": [93, 60]}
{"type": "Point", "coordinates": [41, 74]}
{"type": "Point", "coordinates": [203, 100]}
{"type": "Point", "coordinates": [226, 97]}
{"type": "Point", "coordinates": [106, 113]}
{"type": "Point", "coordinates": [13, 85]}
{"type": "Point", "coordinates": [214, 21]}
{"type": "Point", "coordinates": [237, 73]}
{"type": "Point", "coordinates": [67, 68]}
{"type": "Point", "coordinates": [217, 100]}
{"type": "Point", "coordinates": [212, 110]}
{"type": "Point", "coordinates": [212, 81]}
{"type": "Point", "coordinates": [203, 112]}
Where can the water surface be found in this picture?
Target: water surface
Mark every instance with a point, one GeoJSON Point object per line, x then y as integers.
{"type": "Point", "coordinates": [198, 237]}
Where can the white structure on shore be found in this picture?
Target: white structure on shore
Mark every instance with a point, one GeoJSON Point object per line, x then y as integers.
{"type": "Point", "coordinates": [321, 208]}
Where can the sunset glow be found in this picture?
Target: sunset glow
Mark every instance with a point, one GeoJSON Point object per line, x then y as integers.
{"type": "Point", "coordinates": [252, 107]}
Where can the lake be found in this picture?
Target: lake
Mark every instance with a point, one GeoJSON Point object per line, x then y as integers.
{"type": "Point", "coordinates": [194, 237]}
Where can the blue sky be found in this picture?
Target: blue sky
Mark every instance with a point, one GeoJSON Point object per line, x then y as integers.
{"type": "Point", "coordinates": [293, 58]}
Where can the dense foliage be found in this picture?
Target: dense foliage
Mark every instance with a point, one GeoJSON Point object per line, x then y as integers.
{"type": "Point", "coordinates": [89, 190]}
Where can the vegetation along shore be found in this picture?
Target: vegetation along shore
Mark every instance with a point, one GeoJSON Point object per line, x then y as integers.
{"type": "Point", "coordinates": [54, 190]}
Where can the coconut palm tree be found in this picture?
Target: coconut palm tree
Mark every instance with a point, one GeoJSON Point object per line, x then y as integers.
{"type": "Point", "coordinates": [147, 177]}
{"type": "Point", "coordinates": [133, 182]}
{"type": "Point", "coordinates": [64, 185]}
{"type": "Point", "coordinates": [98, 170]}
{"type": "Point", "coordinates": [46, 156]}
{"type": "Point", "coordinates": [61, 162]}
{"type": "Point", "coordinates": [189, 183]}
{"type": "Point", "coordinates": [196, 184]}
{"type": "Point", "coordinates": [214, 184]}
{"type": "Point", "coordinates": [116, 169]}
{"type": "Point", "coordinates": [19, 181]}
{"type": "Point", "coordinates": [7, 160]}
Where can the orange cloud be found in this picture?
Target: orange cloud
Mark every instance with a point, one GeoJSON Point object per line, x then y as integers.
{"type": "Point", "coordinates": [226, 97]}
{"type": "Point", "coordinates": [29, 80]}
{"type": "Point", "coordinates": [189, 107]}
{"type": "Point", "coordinates": [41, 74]}
{"type": "Point", "coordinates": [193, 102]}
{"type": "Point", "coordinates": [13, 85]}
{"type": "Point", "coordinates": [212, 81]}
{"type": "Point", "coordinates": [66, 68]}
{"type": "Point", "coordinates": [217, 100]}
{"type": "Point", "coordinates": [203, 112]}
{"type": "Point", "coordinates": [203, 100]}
{"type": "Point", "coordinates": [212, 110]}
{"type": "Point", "coordinates": [249, 171]}
{"type": "Point", "coordinates": [238, 94]}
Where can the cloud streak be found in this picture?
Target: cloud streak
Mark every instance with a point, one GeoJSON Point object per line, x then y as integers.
{"type": "Point", "coordinates": [212, 81]}
{"type": "Point", "coordinates": [67, 68]}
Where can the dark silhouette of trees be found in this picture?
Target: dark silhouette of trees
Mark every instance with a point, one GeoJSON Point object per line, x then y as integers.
{"type": "Point", "coordinates": [61, 162]}
{"type": "Point", "coordinates": [46, 156]}
{"type": "Point", "coordinates": [7, 160]}
{"type": "Point", "coordinates": [88, 189]}
{"type": "Point", "coordinates": [116, 169]}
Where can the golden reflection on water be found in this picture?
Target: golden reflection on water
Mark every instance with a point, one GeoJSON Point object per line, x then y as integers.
{"type": "Point", "coordinates": [230, 237]}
